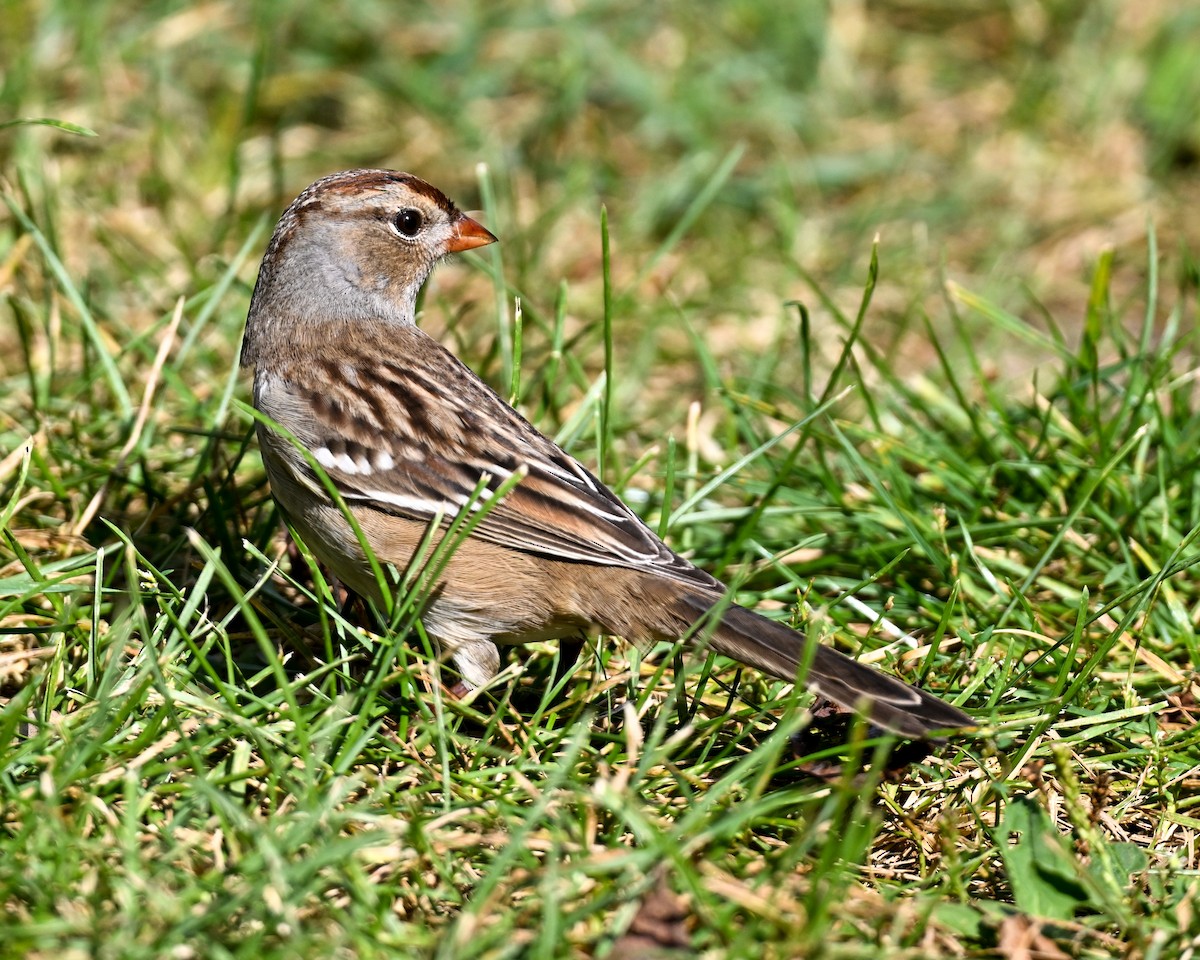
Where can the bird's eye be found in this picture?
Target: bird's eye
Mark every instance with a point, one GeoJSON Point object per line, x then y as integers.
{"type": "Point", "coordinates": [408, 222]}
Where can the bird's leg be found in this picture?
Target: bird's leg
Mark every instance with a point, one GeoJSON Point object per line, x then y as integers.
{"type": "Point", "coordinates": [569, 649]}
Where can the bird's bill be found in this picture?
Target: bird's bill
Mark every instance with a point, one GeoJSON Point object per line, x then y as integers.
{"type": "Point", "coordinates": [469, 234]}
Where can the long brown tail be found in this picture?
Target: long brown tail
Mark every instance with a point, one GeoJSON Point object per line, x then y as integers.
{"type": "Point", "coordinates": [780, 650]}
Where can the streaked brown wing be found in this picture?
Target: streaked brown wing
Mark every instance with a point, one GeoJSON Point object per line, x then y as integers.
{"type": "Point", "coordinates": [411, 433]}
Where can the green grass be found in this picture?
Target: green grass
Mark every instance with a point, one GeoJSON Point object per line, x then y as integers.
{"type": "Point", "coordinates": [967, 454]}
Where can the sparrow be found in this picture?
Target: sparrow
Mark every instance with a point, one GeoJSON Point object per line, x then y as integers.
{"type": "Point", "coordinates": [356, 396]}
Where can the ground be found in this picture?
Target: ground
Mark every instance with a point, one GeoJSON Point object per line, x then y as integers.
{"type": "Point", "coordinates": [895, 328]}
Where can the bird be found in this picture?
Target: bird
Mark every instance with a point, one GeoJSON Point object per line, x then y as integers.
{"type": "Point", "coordinates": [356, 398]}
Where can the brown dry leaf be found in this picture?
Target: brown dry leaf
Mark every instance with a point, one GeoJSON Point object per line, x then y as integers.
{"type": "Point", "coordinates": [1021, 938]}
{"type": "Point", "coordinates": [1181, 712]}
{"type": "Point", "coordinates": [659, 929]}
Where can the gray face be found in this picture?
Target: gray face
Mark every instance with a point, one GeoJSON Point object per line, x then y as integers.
{"type": "Point", "coordinates": [356, 247]}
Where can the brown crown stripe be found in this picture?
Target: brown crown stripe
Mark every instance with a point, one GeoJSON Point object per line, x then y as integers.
{"type": "Point", "coordinates": [354, 182]}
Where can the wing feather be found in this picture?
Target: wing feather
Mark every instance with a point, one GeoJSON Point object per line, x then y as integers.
{"type": "Point", "coordinates": [412, 432]}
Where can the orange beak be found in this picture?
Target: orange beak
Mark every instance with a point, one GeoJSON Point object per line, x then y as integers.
{"type": "Point", "coordinates": [468, 234]}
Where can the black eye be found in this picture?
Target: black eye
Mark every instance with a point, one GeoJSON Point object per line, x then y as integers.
{"type": "Point", "coordinates": [408, 222]}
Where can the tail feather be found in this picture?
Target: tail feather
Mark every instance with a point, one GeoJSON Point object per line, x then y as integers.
{"type": "Point", "coordinates": [780, 651]}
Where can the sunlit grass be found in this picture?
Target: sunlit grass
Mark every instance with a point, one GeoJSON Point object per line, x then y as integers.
{"type": "Point", "coordinates": [966, 454]}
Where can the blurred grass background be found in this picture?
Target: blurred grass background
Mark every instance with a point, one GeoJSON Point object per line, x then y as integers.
{"type": "Point", "coordinates": [747, 153]}
{"type": "Point", "coordinates": [1002, 145]}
